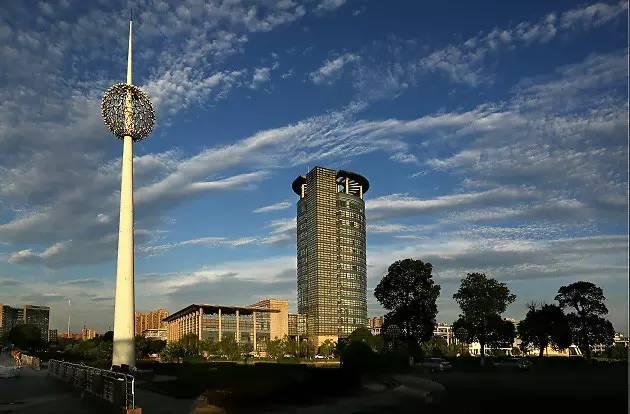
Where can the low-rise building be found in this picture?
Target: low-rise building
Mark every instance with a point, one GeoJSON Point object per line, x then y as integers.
{"type": "Point", "coordinates": [155, 334]}
{"type": "Point", "coordinates": [619, 338]}
{"type": "Point", "coordinates": [445, 331]}
{"type": "Point", "coordinates": [255, 324]}
{"type": "Point", "coordinates": [375, 324]}
{"type": "Point", "coordinates": [77, 336]}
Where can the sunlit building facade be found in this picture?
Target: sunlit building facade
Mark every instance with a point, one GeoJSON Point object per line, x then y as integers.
{"type": "Point", "coordinates": [252, 326]}
{"type": "Point", "coordinates": [331, 259]}
{"type": "Point", "coordinates": [87, 334]}
{"type": "Point", "coordinates": [150, 320]}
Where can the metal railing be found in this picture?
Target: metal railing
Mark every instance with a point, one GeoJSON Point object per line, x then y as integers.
{"type": "Point", "coordinates": [115, 387]}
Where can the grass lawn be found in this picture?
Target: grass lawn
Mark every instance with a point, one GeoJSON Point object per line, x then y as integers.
{"type": "Point", "coordinates": [240, 386]}
{"type": "Point", "coordinates": [550, 386]}
{"type": "Point", "coordinates": [559, 386]}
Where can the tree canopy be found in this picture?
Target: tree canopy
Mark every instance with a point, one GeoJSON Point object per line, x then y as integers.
{"type": "Point", "coordinates": [588, 327]}
{"type": "Point", "coordinates": [544, 326]}
{"type": "Point", "coordinates": [409, 293]}
{"type": "Point", "coordinates": [482, 300]}
{"type": "Point", "coordinates": [25, 336]}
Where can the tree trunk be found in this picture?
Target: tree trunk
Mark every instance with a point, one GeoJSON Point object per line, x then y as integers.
{"type": "Point", "coordinates": [541, 352]}
{"type": "Point", "coordinates": [483, 352]}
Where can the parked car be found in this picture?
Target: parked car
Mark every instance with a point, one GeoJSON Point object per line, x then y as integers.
{"type": "Point", "coordinates": [435, 364]}
{"type": "Point", "coordinates": [514, 363]}
{"type": "Point", "coordinates": [320, 356]}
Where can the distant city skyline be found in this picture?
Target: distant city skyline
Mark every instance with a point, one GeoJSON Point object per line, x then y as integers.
{"type": "Point", "coordinates": [494, 136]}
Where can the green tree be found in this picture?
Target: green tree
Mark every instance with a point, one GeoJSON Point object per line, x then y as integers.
{"type": "Point", "coordinates": [307, 348]}
{"type": "Point", "coordinates": [209, 348]}
{"type": "Point", "coordinates": [142, 346]}
{"type": "Point", "coordinates": [173, 351]}
{"type": "Point", "coordinates": [229, 348]}
{"type": "Point", "coordinates": [292, 347]}
{"type": "Point", "coordinates": [363, 334]}
{"type": "Point", "coordinates": [482, 300]}
{"type": "Point", "coordinates": [327, 348]}
{"type": "Point", "coordinates": [617, 351]}
{"type": "Point", "coordinates": [155, 346]}
{"type": "Point", "coordinates": [360, 334]}
{"type": "Point", "coordinates": [276, 348]}
{"type": "Point", "coordinates": [26, 336]}
{"type": "Point", "coordinates": [501, 333]}
{"type": "Point", "coordinates": [409, 293]}
{"type": "Point", "coordinates": [543, 327]}
{"type": "Point", "coordinates": [435, 347]}
{"type": "Point", "coordinates": [190, 345]}
{"type": "Point", "coordinates": [588, 327]}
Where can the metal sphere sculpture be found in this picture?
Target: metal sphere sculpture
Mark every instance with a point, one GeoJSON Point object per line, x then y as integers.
{"type": "Point", "coordinates": [138, 122]}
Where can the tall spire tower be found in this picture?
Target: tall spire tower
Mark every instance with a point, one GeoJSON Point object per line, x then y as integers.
{"type": "Point", "coordinates": [128, 113]}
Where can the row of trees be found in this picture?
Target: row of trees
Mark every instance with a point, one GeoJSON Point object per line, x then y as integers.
{"type": "Point", "coordinates": [410, 294]}
{"type": "Point", "coordinates": [189, 346]}
{"type": "Point", "coordinates": [96, 351]}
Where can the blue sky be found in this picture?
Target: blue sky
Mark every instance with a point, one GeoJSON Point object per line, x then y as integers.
{"type": "Point", "coordinates": [494, 135]}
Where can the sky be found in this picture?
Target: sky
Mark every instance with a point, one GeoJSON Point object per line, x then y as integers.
{"type": "Point", "coordinates": [494, 135]}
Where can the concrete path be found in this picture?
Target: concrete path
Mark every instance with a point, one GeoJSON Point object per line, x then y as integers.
{"type": "Point", "coordinates": [34, 392]}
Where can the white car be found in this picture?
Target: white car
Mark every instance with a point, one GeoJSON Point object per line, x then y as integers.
{"type": "Point", "coordinates": [435, 364]}
{"type": "Point", "coordinates": [320, 356]}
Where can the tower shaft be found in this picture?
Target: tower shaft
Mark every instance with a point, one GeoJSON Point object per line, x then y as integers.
{"type": "Point", "coordinates": [124, 305]}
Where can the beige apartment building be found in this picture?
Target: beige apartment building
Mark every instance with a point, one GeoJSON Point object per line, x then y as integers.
{"type": "Point", "coordinates": [87, 334]}
{"type": "Point", "coordinates": [150, 320]}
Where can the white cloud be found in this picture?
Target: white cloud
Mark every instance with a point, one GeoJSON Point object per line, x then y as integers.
{"type": "Point", "coordinates": [332, 69]}
{"type": "Point", "coordinates": [464, 63]}
{"type": "Point", "coordinates": [282, 205]}
{"type": "Point", "coordinates": [592, 15]}
{"type": "Point", "coordinates": [260, 77]}
{"type": "Point", "coordinates": [328, 5]}
{"type": "Point", "coordinates": [403, 204]}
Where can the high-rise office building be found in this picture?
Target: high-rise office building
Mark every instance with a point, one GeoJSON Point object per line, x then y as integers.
{"type": "Point", "coordinates": [27, 314]}
{"type": "Point", "coordinates": [9, 317]}
{"type": "Point", "coordinates": [331, 262]}
{"type": "Point", "coordinates": [38, 316]}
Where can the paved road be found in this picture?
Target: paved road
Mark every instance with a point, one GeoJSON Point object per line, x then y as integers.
{"type": "Point", "coordinates": [34, 392]}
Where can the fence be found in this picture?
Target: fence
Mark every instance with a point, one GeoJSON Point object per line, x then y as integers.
{"type": "Point", "coordinates": [116, 387]}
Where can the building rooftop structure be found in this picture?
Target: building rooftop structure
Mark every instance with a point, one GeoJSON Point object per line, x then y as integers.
{"type": "Point", "coordinates": [357, 184]}
{"type": "Point", "coordinates": [225, 309]}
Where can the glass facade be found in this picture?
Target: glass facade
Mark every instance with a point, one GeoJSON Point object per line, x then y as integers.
{"type": "Point", "coordinates": [331, 249]}
{"type": "Point", "coordinates": [28, 314]}
{"type": "Point", "coordinates": [214, 323]}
